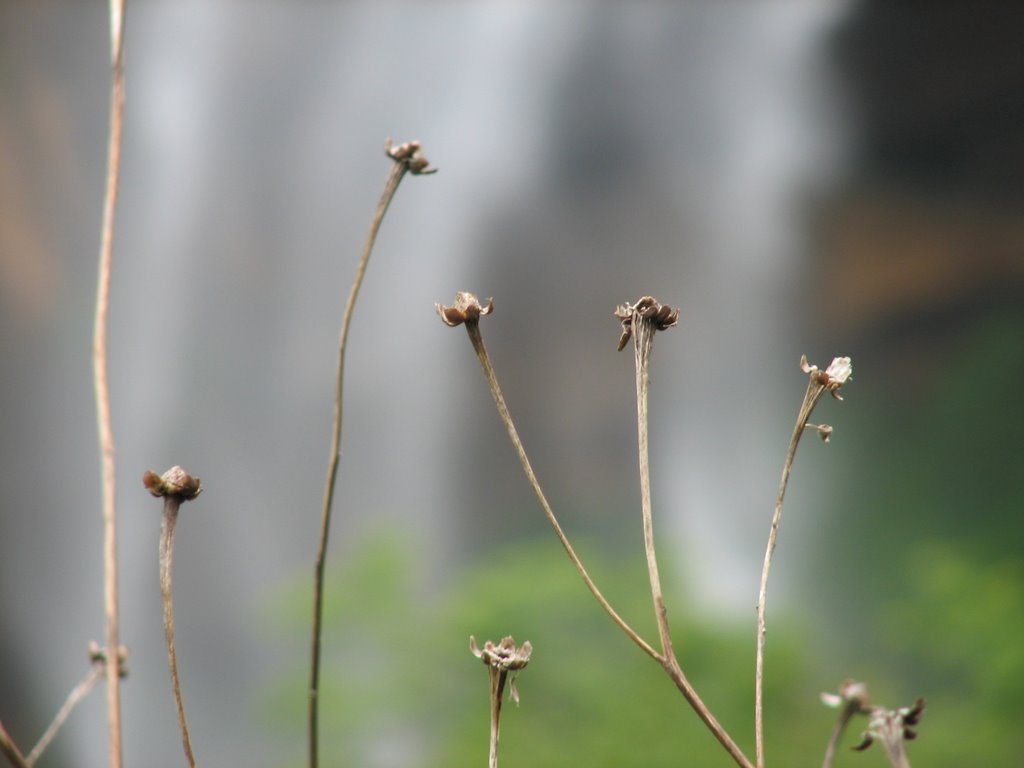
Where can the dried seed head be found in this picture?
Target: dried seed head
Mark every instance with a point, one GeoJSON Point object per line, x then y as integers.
{"type": "Point", "coordinates": [891, 727]}
{"type": "Point", "coordinates": [466, 309]}
{"type": "Point", "coordinates": [660, 316]}
{"type": "Point", "coordinates": [839, 371]}
{"type": "Point", "coordinates": [410, 155]}
{"type": "Point", "coordinates": [174, 483]}
{"type": "Point", "coordinates": [503, 662]}
{"type": "Point", "coordinates": [504, 656]}
{"type": "Point", "coordinates": [851, 693]}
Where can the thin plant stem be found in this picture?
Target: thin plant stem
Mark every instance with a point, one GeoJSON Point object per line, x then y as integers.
{"type": "Point", "coordinates": [643, 336]}
{"type": "Point", "coordinates": [106, 433]}
{"type": "Point", "coordinates": [837, 734]}
{"type": "Point", "coordinates": [818, 382]}
{"type": "Point", "coordinates": [78, 693]}
{"type": "Point", "coordinates": [473, 329]}
{"type": "Point", "coordinates": [170, 519]}
{"type": "Point", "coordinates": [10, 750]}
{"type": "Point", "coordinates": [407, 158]}
{"type": "Point", "coordinates": [498, 679]}
{"type": "Point", "coordinates": [643, 332]}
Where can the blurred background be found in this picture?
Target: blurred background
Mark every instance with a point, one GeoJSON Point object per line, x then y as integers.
{"type": "Point", "coordinates": [822, 178]}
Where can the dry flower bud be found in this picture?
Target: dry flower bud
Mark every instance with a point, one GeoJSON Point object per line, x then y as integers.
{"type": "Point", "coordinates": [851, 692]}
{"type": "Point", "coordinates": [839, 371]}
{"type": "Point", "coordinates": [503, 662]}
{"type": "Point", "coordinates": [410, 154]}
{"type": "Point", "coordinates": [660, 316]}
{"type": "Point", "coordinates": [175, 482]}
{"type": "Point", "coordinates": [504, 656]}
{"type": "Point", "coordinates": [466, 309]}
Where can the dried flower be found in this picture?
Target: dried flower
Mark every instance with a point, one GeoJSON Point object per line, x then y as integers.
{"type": "Point", "coordinates": [466, 309]}
{"type": "Point", "coordinates": [661, 316]}
{"type": "Point", "coordinates": [501, 659]}
{"type": "Point", "coordinates": [852, 694]}
{"type": "Point", "coordinates": [175, 482]}
{"type": "Point", "coordinates": [839, 371]}
{"type": "Point", "coordinates": [410, 154]}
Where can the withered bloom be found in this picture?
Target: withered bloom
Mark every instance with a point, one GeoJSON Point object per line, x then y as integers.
{"type": "Point", "coordinates": [501, 659]}
{"type": "Point", "coordinates": [466, 309]}
{"type": "Point", "coordinates": [411, 155]}
{"type": "Point", "coordinates": [892, 728]}
{"type": "Point", "coordinates": [175, 482]}
{"type": "Point", "coordinates": [661, 316]}
{"type": "Point", "coordinates": [839, 371]}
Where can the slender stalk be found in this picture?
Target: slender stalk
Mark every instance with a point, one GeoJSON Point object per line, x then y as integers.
{"type": "Point", "coordinates": [818, 382]}
{"type": "Point", "coordinates": [170, 519]}
{"type": "Point", "coordinates": [467, 310]}
{"type": "Point", "coordinates": [106, 432]}
{"type": "Point", "coordinates": [10, 750]}
{"type": "Point", "coordinates": [644, 319]}
{"type": "Point", "coordinates": [497, 689]}
{"type": "Point", "coordinates": [643, 338]}
{"type": "Point", "coordinates": [174, 487]}
{"type": "Point", "coordinates": [473, 329]}
{"type": "Point", "coordinates": [406, 157]}
{"type": "Point", "coordinates": [502, 660]}
{"type": "Point", "coordinates": [78, 693]}
{"type": "Point", "coordinates": [837, 734]}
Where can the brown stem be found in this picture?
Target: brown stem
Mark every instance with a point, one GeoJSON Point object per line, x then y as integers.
{"type": "Point", "coordinates": [170, 519]}
{"type": "Point", "coordinates": [78, 693]}
{"type": "Point", "coordinates": [643, 331]}
{"type": "Point", "coordinates": [847, 712]}
{"type": "Point", "coordinates": [10, 750]}
{"type": "Point", "coordinates": [406, 157]}
{"type": "Point", "coordinates": [643, 338]}
{"type": "Point", "coordinates": [106, 433]}
{"type": "Point", "coordinates": [498, 678]}
{"type": "Point", "coordinates": [814, 391]}
{"type": "Point", "coordinates": [473, 329]}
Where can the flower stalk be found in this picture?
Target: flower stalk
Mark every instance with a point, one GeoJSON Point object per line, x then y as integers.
{"type": "Point", "coordinates": [640, 321]}
{"type": "Point", "coordinates": [503, 664]}
{"type": "Point", "coordinates": [819, 382]}
{"type": "Point", "coordinates": [467, 311]}
{"type": "Point", "coordinates": [100, 383]}
{"type": "Point", "coordinates": [175, 486]}
{"type": "Point", "coordinates": [893, 727]}
{"type": "Point", "coordinates": [408, 158]}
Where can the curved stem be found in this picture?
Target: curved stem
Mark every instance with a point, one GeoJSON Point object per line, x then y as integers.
{"type": "Point", "coordinates": [643, 338]}
{"type": "Point", "coordinates": [811, 397]}
{"type": "Point", "coordinates": [78, 693]}
{"type": "Point", "coordinates": [170, 518]}
{"type": "Point", "coordinates": [643, 343]}
{"type": "Point", "coordinates": [99, 359]}
{"type": "Point", "coordinates": [397, 172]}
{"type": "Point", "coordinates": [473, 329]}
{"type": "Point", "coordinates": [10, 750]}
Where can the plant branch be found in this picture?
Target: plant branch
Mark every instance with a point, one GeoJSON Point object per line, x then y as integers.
{"type": "Point", "coordinates": [10, 750]}
{"type": "Point", "coordinates": [643, 338]}
{"type": "Point", "coordinates": [99, 359]}
{"type": "Point", "coordinates": [641, 321]}
{"type": "Point", "coordinates": [504, 661]}
{"type": "Point", "coordinates": [79, 692]}
{"type": "Point", "coordinates": [407, 158]}
{"type": "Point", "coordinates": [477, 340]}
{"type": "Point", "coordinates": [174, 486]}
{"type": "Point", "coordinates": [818, 382]}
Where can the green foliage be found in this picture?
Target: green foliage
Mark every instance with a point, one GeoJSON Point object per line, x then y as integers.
{"type": "Point", "coordinates": [401, 687]}
{"type": "Point", "coordinates": [930, 527]}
